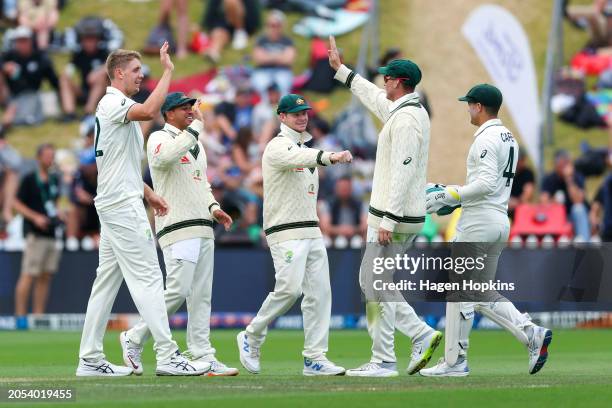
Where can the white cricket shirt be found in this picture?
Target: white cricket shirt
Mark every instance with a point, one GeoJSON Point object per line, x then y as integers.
{"type": "Point", "coordinates": [491, 166]}
{"type": "Point", "coordinates": [119, 152]}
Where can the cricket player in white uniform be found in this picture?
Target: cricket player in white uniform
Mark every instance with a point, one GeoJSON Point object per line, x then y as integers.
{"type": "Point", "coordinates": [397, 205]}
{"type": "Point", "coordinates": [291, 184]}
{"type": "Point", "coordinates": [127, 246]}
{"type": "Point", "coordinates": [491, 165]}
{"type": "Point", "coordinates": [178, 169]}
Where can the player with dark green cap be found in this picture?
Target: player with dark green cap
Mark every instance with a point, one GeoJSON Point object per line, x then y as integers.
{"type": "Point", "coordinates": [397, 206]}
{"type": "Point", "coordinates": [484, 224]}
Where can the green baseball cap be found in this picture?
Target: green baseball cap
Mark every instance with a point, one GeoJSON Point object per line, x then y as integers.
{"type": "Point", "coordinates": [292, 103]}
{"type": "Point", "coordinates": [485, 94]}
{"type": "Point", "coordinates": [176, 99]}
{"type": "Point", "coordinates": [402, 69]}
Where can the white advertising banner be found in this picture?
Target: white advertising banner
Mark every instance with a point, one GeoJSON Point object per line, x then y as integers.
{"type": "Point", "coordinates": [503, 47]}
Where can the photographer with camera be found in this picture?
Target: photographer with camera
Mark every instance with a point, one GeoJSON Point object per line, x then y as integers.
{"type": "Point", "coordinates": [37, 202]}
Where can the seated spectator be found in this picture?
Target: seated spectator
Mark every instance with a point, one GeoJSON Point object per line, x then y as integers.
{"type": "Point", "coordinates": [566, 186]}
{"type": "Point", "coordinates": [229, 19]}
{"type": "Point", "coordinates": [343, 215]}
{"type": "Point", "coordinates": [233, 116]}
{"type": "Point", "coordinates": [265, 119]}
{"type": "Point", "coordinates": [40, 16]}
{"type": "Point", "coordinates": [37, 203]}
{"type": "Point", "coordinates": [273, 56]}
{"type": "Point", "coordinates": [23, 70]}
{"type": "Point", "coordinates": [523, 185]}
{"type": "Point", "coordinates": [9, 181]}
{"type": "Point", "coordinates": [601, 211]}
{"type": "Point", "coordinates": [597, 17]}
{"type": "Point", "coordinates": [89, 61]}
{"type": "Point", "coordinates": [82, 216]}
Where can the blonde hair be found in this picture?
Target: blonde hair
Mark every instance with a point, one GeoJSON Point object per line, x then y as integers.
{"type": "Point", "coordinates": [119, 59]}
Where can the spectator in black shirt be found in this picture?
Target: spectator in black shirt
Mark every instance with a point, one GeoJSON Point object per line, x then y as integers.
{"type": "Point", "coordinates": [343, 215]}
{"type": "Point", "coordinates": [566, 186]}
{"type": "Point", "coordinates": [23, 70]}
{"type": "Point", "coordinates": [273, 55]}
{"type": "Point", "coordinates": [523, 185]}
{"type": "Point", "coordinates": [89, 61]}
{"type": "Point", "coordinates": [37, 203]}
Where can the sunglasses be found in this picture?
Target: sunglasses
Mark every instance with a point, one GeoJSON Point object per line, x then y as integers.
{"type": "Point", "coordinates": [387, 78]}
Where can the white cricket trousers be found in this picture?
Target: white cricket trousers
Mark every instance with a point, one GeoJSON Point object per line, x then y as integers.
{"type": "Point", "coordinates": [385, 316]}
{"type": "Point", "coordinates": [488, 239]}
{"type": "Point", "coordinates": [191, 281]}
{"type": "Point", "coordinates": [127, 251]}
{"type": "Point", "coordinates": [300, 267]}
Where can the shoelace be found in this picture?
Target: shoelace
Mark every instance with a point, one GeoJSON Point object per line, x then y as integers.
{"type": "Point", "coordinates": [254, 351]}
{"type": "Point", "coordinates": [369, 366]}
{"type": "Point", "coordinates": [134, 354]}
{"type": "Point", "coordinates": [416, 350]}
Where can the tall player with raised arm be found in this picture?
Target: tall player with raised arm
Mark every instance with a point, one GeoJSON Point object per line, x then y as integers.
{"type": "Point", "coordinates": [127, 245]}
{"type": "Point", "coordinates": [484, 226]}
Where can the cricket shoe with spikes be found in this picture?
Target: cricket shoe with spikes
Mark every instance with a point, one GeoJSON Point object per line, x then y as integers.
{"type": "Point", "coordinates": [101, 368]}
{"type": "Point", "coordinates": [321, 367]}
{"type": "Point", "coordinates": [442, 369]}
{"type": "Point", "coordinates": [422, 350]}
{"type": "Point", "coordinates": [538, 348]}
{"type": "Point", "coordinates": [132, 353]}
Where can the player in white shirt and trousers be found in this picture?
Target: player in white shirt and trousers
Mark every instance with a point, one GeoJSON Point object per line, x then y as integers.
{"type": "Point", "coordinates": [178, 168]}
{"type": "Point", "coordinates": [484, 226]}
{"type": "Point", "coordinates": [397, 207]}
{"type": "Point", "coordinates": [127, 245]}
{"type": "Point", "coordinates": [291, 225]}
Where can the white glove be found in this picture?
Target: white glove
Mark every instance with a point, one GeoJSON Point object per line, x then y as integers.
{"type": "Point", "coordinates": [441, 199]}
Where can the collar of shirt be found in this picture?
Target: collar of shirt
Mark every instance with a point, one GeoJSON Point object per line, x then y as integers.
{"type": "Point", "coordinates": [171, 129]}
{"type": "Point", "coordinates": [405, 98]}
{"type": "Point", "coordinates": [490, 122]}
{"type": "Point", "coordinates": [115, 91]}
{"type": "Point", "coordinates": [297, 137]}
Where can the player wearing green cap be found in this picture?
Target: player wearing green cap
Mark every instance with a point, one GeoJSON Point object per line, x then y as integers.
{"type": "Point", "coordinates": [484, 226]}
{"type": "Point", "coordinates": [397, 206]}
{"type": "Point", "coordinates": [291, 225]}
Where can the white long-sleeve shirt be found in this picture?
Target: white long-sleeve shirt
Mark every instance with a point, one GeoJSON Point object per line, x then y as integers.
{"type": "Point", "coordinates": [178, 169]}
{"type": "Point", "coordinates": [291, 185]}
{"type": "Point", "coordinates": [398, 192]}
{"type": "Point", "coordinates": [491, 166]}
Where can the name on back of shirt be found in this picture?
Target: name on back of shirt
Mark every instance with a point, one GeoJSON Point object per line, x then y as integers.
{"type": "Point", "coordinates": [507, 137]}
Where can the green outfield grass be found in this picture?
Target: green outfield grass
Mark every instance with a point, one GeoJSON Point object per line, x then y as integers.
{"type": "Point", "coordinates": [579, 373]}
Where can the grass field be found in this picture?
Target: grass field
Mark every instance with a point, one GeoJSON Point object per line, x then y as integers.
{"type": "Point", "coordinates": [579, 373]}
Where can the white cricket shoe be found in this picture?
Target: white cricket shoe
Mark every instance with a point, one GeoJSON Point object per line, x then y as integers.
{"type": "Point", "coordinates": [101, 368]}
{"type": "Point", "coordinates": [249, 354]}
{"type": "Point", "coordinates": [372, 369]}
{"type": "Point", "coordinates": [442, 369]}
{"type": "Point", "coordinates": [322, 367]}
{"type": "Point", "coordinates": [240, 40]}
{"type": "Point", "coordinates": [422, 350]}
{"type": "Point", "coordinates": [131, 353]}
{"type": "Point", "coordinates": [179, 365]}
{"type": "Point", "coordinates": [538, 348]}
{"type": "Point", "coordinates": [218, 369]}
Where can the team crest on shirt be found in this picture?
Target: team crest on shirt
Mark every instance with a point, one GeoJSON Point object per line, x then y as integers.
{"type": "Point", "coordinates": [288, 256]}
{"type": "Point", "coordinates": [311, 189]}
{"type": "Point", "coordinates": [197, 175]}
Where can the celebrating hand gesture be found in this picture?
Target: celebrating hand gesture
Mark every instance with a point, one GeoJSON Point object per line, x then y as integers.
{"type": "Point", "coordinates": [165, 58]}
{"type": "Point", "coordinates": [333, 54]}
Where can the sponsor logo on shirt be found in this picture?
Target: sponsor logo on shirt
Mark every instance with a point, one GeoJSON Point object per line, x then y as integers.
{"type": "Point", "coordinates": [185, 160]}
{"type": "Point", "coordinates": [408, 160]}
{"type": "Point", "coordinates": [157, 149]}
{"type": "Point", "coordinates": [197, 175]}
{"type": "Point", "coordinates": [311, 189]}
{"type": "Point", "coordinates": [483, 154]}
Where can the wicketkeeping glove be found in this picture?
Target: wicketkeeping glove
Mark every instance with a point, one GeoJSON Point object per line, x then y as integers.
{"type": "Point", "coordinates": [441, 199]}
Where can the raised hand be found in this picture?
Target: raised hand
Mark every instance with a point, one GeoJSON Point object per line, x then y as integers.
{"type": "Point", "coordinates": [164, 57]}
{"type": "Point", "coordinates": [333, 54]}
